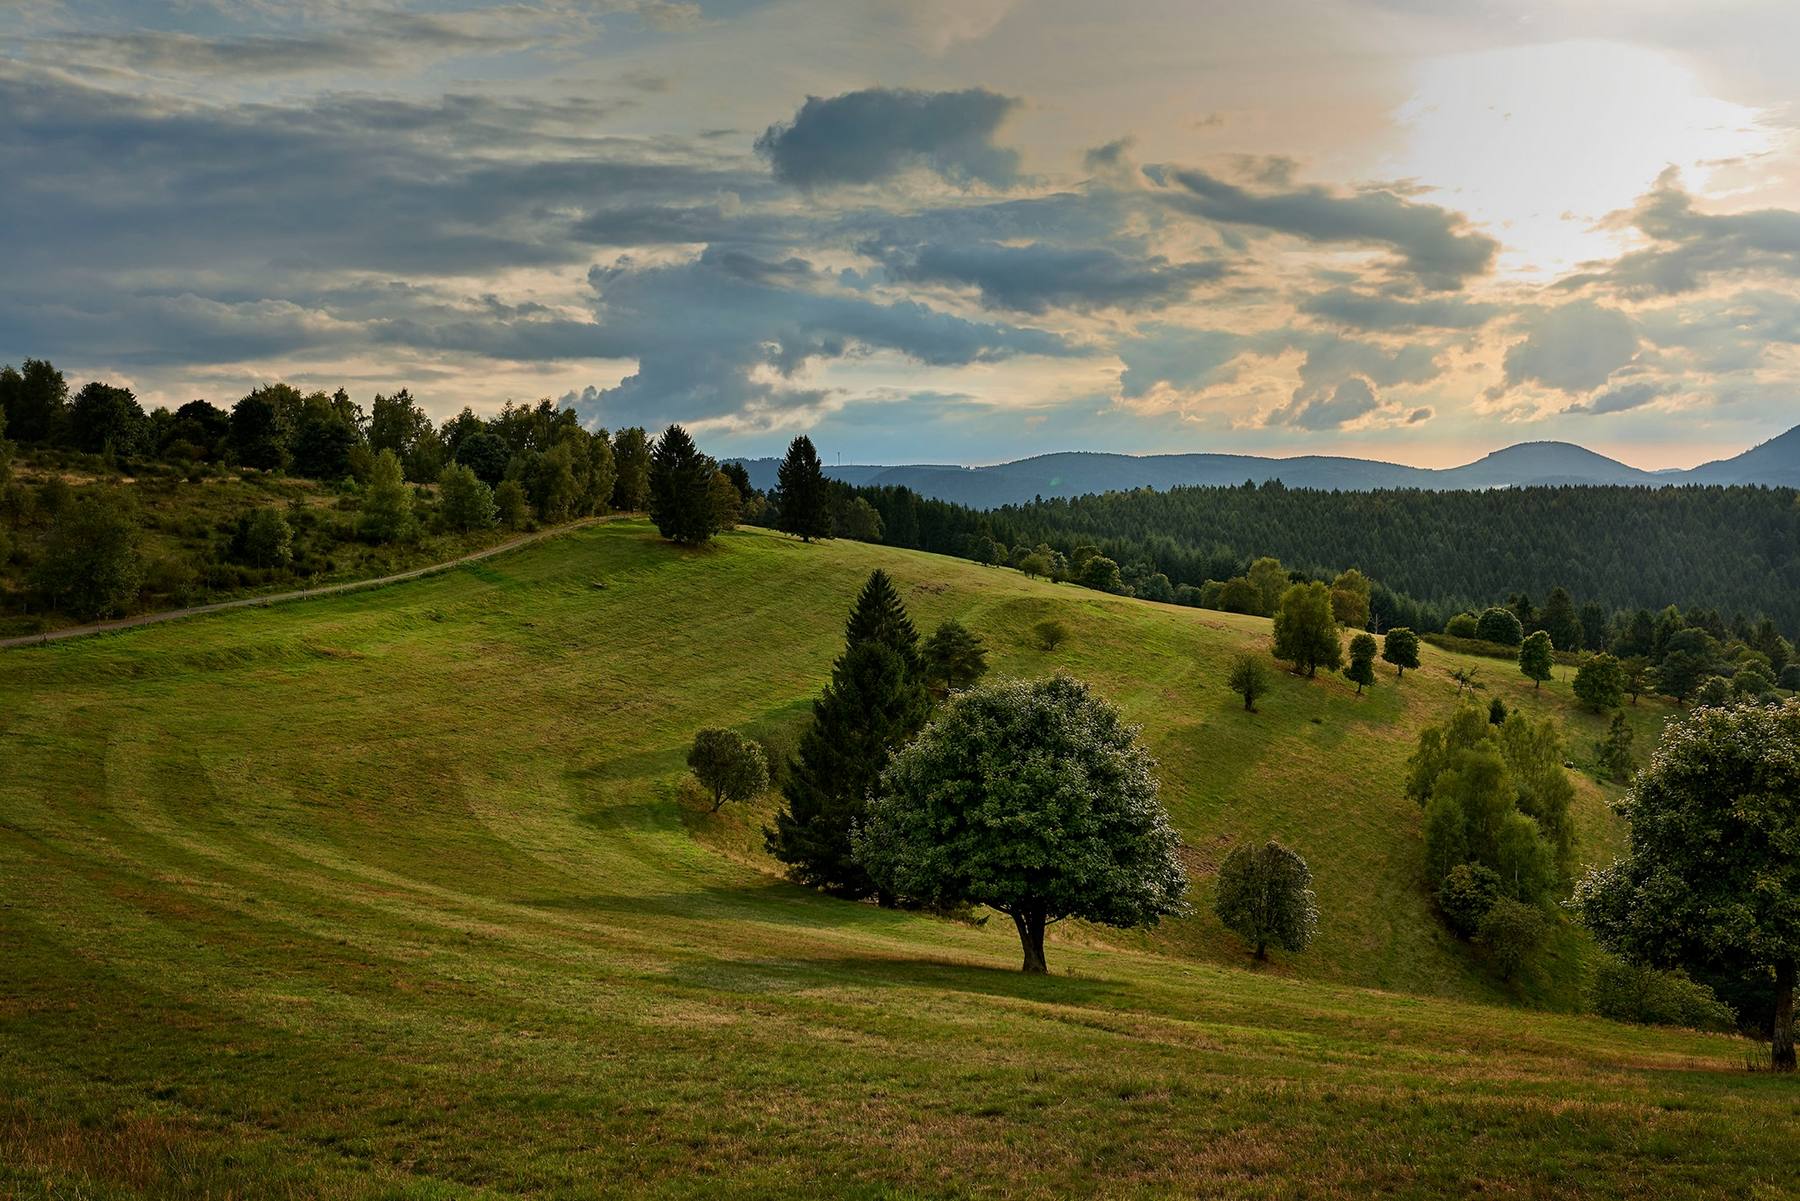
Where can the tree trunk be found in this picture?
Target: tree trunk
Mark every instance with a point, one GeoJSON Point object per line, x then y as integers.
{"type": "Point", "coordinates": [1262, 950]}
{"type": "Point", "coordinates": [1031, 938]}
{"type": "Point", "coordinates": [1781, 1050]}
{"type": "Point", "coordinates": [718, 799]}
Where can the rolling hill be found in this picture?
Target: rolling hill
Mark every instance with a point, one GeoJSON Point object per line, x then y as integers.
{"type": "Point", "coordinates": [401, 893]}
{"type": "Point", "coordinates": [1076, 473]}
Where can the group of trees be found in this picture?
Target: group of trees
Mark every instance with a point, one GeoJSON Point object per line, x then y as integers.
{"type": "Point", "coordinates": [1725, 547]}
{"type": "Point", "coordinates": [1499, 836]}
{"type": "Point", "coordinates": [917, 784]}
{"type": "Point", "coordinates": [401, 474]}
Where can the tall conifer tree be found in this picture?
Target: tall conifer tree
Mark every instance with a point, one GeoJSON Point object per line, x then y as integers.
{"type": "Point", "coordinates": [805, 501]}
{"type": "Point", "coordinates": [875, 704]}
{"type": "Point", "coordinates": [681, 496]}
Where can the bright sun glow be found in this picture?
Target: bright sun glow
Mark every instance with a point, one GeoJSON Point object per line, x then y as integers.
{"type": "Point", "coordinates": [1538, 143]}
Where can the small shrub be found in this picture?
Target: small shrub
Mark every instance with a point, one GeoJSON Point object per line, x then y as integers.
{"type": "Point", "coordinates": [1512, 931]}
{"type": "Point", "coordinates": [1469, 890]}
{"type": "Point", "coordinates": [1629, 992]}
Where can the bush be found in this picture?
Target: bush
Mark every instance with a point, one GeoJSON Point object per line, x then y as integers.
{"type": "Point", "coordinates": [1469, 890]}
{"type": "Point", "coordinates": [1050, 634]}
{"type": "Point", "coordinates": [263, 538]}
{"type": "Point", "coordinates": [1629, 992]}
{"type": "Point", "coordinates": [510, 506]}
{"type": "Point", "coordinates": [1463, 625]}
{"type": "Point", "coordinates": [1512, 931]}
{"type": "Point", "coordinates": [91, 567]}
{"type": "Point", "coordinates": [467, 503]}
{"type": "Point", "coordinates": [1501, 626]}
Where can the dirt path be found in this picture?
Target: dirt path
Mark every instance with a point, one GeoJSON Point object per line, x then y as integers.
{"type": "Point", "coordinates": [248, 602]}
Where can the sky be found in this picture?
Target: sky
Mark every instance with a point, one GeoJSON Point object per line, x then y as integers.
{"type": "Point", "coordinates": [949, 231]}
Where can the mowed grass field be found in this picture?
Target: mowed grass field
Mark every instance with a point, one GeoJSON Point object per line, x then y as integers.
{"type": "Point", "coordinates": [400, 894]}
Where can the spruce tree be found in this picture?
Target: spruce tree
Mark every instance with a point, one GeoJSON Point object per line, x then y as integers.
{"type": "Point", "coordinates": [805, 503]}
{"type": "Point", "coordinates": [681, 495]}
{"type": "Point", "coordinates": [876, 702]}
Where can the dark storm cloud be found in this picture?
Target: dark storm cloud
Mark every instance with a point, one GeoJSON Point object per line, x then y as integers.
{"type": "Point", "coordinates": [1433, 244]}
{"type": "Point", "coordinates": [871, 135]}
{"type": "Point", "coordinates": [1039, 277]}
{"type": "Point", "coordinates": [1377, 312]}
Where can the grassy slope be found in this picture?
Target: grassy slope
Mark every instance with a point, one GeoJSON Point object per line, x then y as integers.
{"type": "Point", "coordinates": [396, 894]}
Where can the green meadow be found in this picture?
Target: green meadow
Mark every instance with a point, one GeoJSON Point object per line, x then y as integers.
{"type": "Point", "coordinates": [403, 893]}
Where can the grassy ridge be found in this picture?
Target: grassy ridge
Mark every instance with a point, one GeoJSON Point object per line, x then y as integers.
{"type": "Point", "coordinates": [396, 894]}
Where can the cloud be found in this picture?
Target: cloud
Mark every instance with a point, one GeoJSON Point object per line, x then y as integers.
{"type": "Point", "coordinates": [1574, 348]}
{"type": "Point", "coordinates": [1693, 247]}
{"type": "Point", "coordinates": [1178, 357]}
{"type": "Point", "coordinates": [1623, 398]}
{"type": "Point", "coordinates": [868, 136]}
{"type": "Point", "coordinates": [1037, 277]}
{"type": "Point", "coordinates": [1364, 311]}
{"type": "Point", "coordinates": [1433, 244]}
{"type": "Point", "coordinates": [747, 326]}
{"type": "Point", "coordinates": [1350, 401]}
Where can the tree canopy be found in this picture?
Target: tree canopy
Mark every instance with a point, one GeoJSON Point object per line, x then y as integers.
{"type": "Point", "coordinates": [1710, 879]}
{"type": "Point", "coordinates": [1264, 895]}
{"type": "Point", "coordinates": [1035, 799]}
{"type": "Point", "coordinates": [1306, 630]}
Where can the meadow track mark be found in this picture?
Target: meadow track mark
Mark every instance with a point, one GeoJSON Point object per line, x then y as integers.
{"type": "Point", "coordinates": [248, 602]}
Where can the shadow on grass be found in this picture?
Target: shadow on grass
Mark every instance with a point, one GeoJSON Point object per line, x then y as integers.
{"type": "Point", "coordinates": [881, 972]}
{"type": "Point", "coordinates": [771, 902]}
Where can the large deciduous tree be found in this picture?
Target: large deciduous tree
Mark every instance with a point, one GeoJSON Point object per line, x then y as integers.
{"type": "Point", "coordinates": [90, 565]}
{"type": "Point", "coordinates": [1035, 799]}
{"type": "Point", "coordinates": [802, 495]}
{"type": "Point", "coordinates": [387, 508]}
{"type": "Point", "coordinates": [1306, 631]}
{"type": "Point", "coordinates": [1600, 682]}
{"type": "Point", "coordinates": [1711, 877]}
{"type": "Point", "coordinates": [1500, 625]}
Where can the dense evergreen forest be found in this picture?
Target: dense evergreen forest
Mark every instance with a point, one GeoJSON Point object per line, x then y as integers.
{"type": "Point", "coordinates": [1733, 549]}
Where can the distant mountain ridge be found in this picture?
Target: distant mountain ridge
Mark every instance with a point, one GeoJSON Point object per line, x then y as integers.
{"type": "Point", "coordinates": [1775, 463]}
